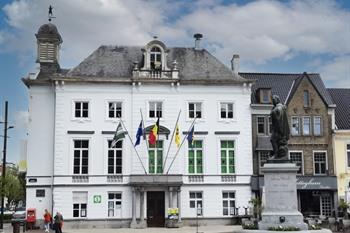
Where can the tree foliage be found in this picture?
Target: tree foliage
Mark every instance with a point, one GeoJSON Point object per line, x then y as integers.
{"type": "Point", "coordinates": [14, 188]}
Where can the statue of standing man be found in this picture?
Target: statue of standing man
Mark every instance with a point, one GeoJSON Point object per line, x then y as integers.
{"type": "Point", "coordinates": [280, 129]}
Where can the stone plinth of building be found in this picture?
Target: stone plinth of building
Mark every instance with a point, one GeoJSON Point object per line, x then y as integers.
{"type": "Point", "coordinates": [280, 197]}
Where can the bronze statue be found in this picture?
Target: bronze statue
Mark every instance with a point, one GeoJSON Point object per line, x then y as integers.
{"type": "Point", "coordinates": [280, 129]}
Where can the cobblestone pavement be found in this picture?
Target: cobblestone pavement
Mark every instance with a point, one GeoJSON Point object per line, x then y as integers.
{"type": "Point", "coordinates": [202, 229]}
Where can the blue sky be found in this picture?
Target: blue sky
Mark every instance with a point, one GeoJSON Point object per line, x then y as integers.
{"type": "Point", "coordinates": [270, 36]}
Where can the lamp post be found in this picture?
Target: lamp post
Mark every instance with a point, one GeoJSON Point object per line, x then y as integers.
{"type": "Point", "coordinates": [4, 166]}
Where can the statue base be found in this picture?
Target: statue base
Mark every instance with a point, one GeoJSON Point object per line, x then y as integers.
{"type": "Point", "coordinates": [280, 197]}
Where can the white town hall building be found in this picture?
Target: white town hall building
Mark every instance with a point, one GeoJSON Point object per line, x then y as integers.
{"type": "Point", "coordinates": [74, 114]}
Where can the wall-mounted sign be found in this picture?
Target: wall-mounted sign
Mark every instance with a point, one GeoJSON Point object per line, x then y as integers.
{"type": "Point", "coordinates": [97, 198]}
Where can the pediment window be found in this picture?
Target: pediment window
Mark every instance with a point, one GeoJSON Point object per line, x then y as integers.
{"type": "Point", "coordinates": [156, 58]}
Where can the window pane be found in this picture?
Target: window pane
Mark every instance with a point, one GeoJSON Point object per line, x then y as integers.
{"type": "Point", "coordinates": [306, 125]}
{"type": "Point", "coordinates": [192, 204]}
{"type": "Point", "coordinates": [295, 126]}
{"type": "Point", "coordinates": [306, 99]}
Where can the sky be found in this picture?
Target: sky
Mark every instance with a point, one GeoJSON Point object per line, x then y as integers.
{"type": "Point", "coordinates": [270, 36]}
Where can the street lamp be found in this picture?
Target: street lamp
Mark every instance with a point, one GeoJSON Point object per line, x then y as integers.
{"type": "Point", "coordinates": [4, 165]}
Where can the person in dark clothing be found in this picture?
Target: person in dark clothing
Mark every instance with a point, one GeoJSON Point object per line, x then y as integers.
{"type": "Point", "coordinates": [58, 222]}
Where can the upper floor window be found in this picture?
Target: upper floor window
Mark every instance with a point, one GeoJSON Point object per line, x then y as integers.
{"type": "Point", "coordinates": [195, 109]}
{"type": "Point", "coordinates": [306, 99]}
{"type": "Point", "coordinates": [306, 125]}
{"type": "Point", "coordinates": [115, 155]}
{"type": "Point", "coordinates": [227, 156]}
{"type": "Point", "coordinates": [81, 109]}
{"type": "Point", "coordinates": [156, 58]}
{"type": "Point", "coordinates": [265, 96]}
{"type": "Point", "coordinates": [297, 158]}
{"type": "Point", "coordinates": [81, 157]}
{"type": "Point", "coordinates": [348, 153]}
{"type": "Point", "coordinates": [195, 157]}
{"type": "Point", "coordinates": [155, 158]}
{"type": "Point", "coordinates": [155, 109]}
{"type": "Point", "coordinates": [295, 126]}
{"type": "Point", "coordinates": [261, 125]}
{"type": "Point", "coordinates": [320, 163]}
{"type": "Point", "coordinates": [317, 125]}
{"type": "Point", "coordinates": [114, 109]}
{"type": "Point", "coordinates": [226, 110]}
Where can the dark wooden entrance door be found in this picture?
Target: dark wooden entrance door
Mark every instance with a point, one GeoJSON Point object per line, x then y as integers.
{"type": "Point", "coordinates": [155, 209]}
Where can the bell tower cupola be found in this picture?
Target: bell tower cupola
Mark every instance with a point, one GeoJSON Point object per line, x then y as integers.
{"type": "Point", "coordinates": [48, 42]}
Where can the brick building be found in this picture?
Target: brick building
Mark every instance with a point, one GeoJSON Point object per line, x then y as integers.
{"type": "Point", "coordinates": [311, 120]}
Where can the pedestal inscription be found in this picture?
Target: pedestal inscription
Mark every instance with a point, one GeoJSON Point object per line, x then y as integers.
{"type": "Point", "coordinates": [281, 206]}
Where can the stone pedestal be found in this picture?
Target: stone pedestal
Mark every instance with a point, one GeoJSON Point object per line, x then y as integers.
{"type": "Point", "coordinates": [280, 199]}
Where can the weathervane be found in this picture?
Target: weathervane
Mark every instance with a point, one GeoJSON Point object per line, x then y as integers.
{"type": "Point", "coordinates": [50, 14]}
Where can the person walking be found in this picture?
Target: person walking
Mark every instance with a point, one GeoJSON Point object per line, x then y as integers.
{"type": "Point", "coordinates": [47, 220]}
{"type": "Point", "coordinates": [58, 222]}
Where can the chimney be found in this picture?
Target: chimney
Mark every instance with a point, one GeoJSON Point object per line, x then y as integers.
{"type": "Point", "coordinates": [197, 37]}
{"type": "Point", "coordinates": [235, 63]}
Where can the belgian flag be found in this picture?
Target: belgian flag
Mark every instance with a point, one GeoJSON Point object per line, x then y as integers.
{"type": "Point", "coordinates": [153, 135]}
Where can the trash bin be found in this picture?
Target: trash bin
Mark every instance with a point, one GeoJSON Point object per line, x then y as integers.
{"type": "Point", "coordinates": [16, 225]}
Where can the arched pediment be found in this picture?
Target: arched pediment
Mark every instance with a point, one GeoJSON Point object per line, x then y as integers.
{"type": "Point", "coordinates": [162, 130]}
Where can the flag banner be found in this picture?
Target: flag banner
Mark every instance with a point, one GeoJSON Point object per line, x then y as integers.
{"type": "Point", "coordinates": [190, 136]}
{"type": "Point", "coordinates": [177, 136]}
{"type": "Point", "coordinates": [139, 134]}
{"type": "Point", "coordinates": [119, 134]}
{"type": "Point", "coordinates": [153, 135]}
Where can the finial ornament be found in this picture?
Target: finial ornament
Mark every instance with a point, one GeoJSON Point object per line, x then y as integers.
{"type": "Point", "coordinates": [50, 14]}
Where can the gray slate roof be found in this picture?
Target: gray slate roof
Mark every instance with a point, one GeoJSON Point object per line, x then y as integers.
{"type": "Point", "coordinates": [341, 97]}
{"type": "Point", "coordinates": [282, 84]}
{"type": "Point", "coordinates": [118, 62]}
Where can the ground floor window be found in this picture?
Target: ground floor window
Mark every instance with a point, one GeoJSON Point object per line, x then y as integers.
{"type": "Point", "coordinates": [326, 205]}
{"type": "Point", "coordinates": [263, 157]}
{"type": "Point", "coordinates": [196, 202]}
{"type": "Point", "coordinates": [79, 204]}
{"type": "Point", "coordinates": [228, 203]}
{"type": "Point", "coordinates": [114, 204]}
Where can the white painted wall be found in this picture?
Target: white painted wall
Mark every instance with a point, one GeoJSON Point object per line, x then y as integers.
{"type": "Point", "coordinates": [51, 112]}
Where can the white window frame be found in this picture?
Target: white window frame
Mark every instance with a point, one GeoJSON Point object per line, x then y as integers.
{"type": "Point", "coordinates": [114, 200]}
{"type": "Point", "coordinates": [107, 157]}
{"type": "Point", "coordinates": [114, 119]}
{"type": "Point", "coordinates": [81, 119]}
{"type": "Point", "coordinates": [303, 121]}
{"type": "Point", "coordinates": [195, 158]}
{"type": "Point", "coordinates": [161, 54]}
{"type": "Point", "coordinates": [302, 159]}
{"type": "Point", "coordinates": [314, 123]}
{"type": "Point", "coordinates": [313, 161]}
{"type": "Point", "coordinates": [80, 205]}
{"type": "Point", "coordinates": [195, 199]}
{"type": "Point", "coordinates": [226, 103]}
{"type": "Point", "coordinates": [299, 126]}
{"type": "Point", "coordinates": [227, 155]}
{"type": "Point", "coordinates": [149, 108]}
{"type": "Point", "coordinates": [257, 125]}
{"type": "Point", "coordinates": [346, 154]}
{"type": "Point", "coordinates": [72, 157]}
{"type": "Point", "coordinates": [195, 109]}
{"type": "Point", "coordinates": [228, 199]}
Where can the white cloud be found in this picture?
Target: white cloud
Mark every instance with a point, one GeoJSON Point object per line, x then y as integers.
{"type": "Point", "coordinates": [259, 31]}
{"type": "Point", "coordinates": [336, 73]}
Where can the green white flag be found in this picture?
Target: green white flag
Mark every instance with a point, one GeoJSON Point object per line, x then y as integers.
{"type": "Point", "coordinates": [119, 134]}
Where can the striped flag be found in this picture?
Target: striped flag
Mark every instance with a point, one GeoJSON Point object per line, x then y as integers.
{"type": "Point", "coordinates": [153, 135]}
{"type": "Point", "coordinates": [119, 134]}
{"type": "Point", "coordinates": [177, 136]}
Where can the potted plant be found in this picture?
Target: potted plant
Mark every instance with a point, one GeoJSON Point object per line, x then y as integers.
{"type": "Point", "coordinates": [344, 206]}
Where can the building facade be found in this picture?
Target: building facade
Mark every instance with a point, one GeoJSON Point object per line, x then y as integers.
{"type": "Point", "coordinates": [311, 121]}
{"type": "Point", "coordinates": [74, 169]}
{"type": "Point", "coordinates": [341, 140]}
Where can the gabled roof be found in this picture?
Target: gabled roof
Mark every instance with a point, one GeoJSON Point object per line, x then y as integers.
{"type": "Point", "coordinates": [341, 97]}
{"type": "Point", "coordinates": [118, 62]}
{"type": "Point", "coordinates": [285, 85]}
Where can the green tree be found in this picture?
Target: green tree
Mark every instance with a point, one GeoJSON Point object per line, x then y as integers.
{"type": "Point", "coordinates": [14, 189]}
